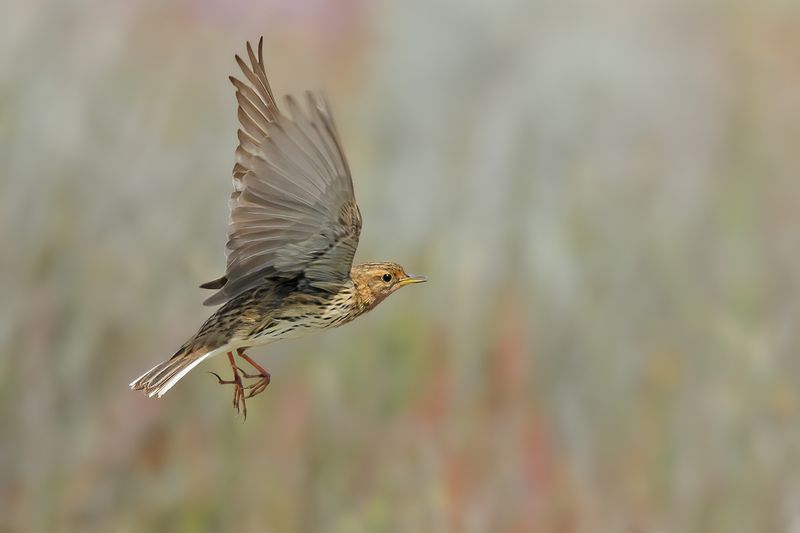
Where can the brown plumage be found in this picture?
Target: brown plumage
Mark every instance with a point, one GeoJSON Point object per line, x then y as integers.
{"type": "Point", "coordinates": [293, 230]}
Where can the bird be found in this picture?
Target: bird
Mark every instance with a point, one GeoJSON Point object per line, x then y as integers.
{"type": "Point", "coordinates": [293, 230]}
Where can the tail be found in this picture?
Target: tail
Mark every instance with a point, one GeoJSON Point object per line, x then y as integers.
{"type": "Point", "coordinates": [159, 379]}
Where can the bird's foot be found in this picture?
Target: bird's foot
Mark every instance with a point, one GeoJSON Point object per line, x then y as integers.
{"type": "Point", "coordinates": [239, 396]}
{"type": "Point", "coordinates": [257, 387]}
{"type": "Point", "coordinates": [262, 377]}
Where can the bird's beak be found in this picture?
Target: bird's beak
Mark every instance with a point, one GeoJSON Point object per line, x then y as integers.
{"type": "Point", "coordinates": [410, 280]}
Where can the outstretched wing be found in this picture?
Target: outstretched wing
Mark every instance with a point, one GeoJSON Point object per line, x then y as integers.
{"type": "Point", "coordinates": [293, 211]}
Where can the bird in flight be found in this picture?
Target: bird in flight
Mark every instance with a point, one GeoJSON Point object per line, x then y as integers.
{"type": "Point", "coordinates": [293, 230]}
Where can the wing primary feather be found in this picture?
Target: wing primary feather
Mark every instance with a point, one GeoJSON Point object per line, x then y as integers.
{"type": "Point", "coordinates": [249, 125]}
{"type": "Point", "coordinates": [253, 97]}
{"type": "Point", "coordinates": [253, 111]}
{"type": "Point", "coordinates": [246, 142]}
{"type": "Point", "coordinates": [301, 122]}
{"type": "Point", "coordinates": [278, 158]}
{"type": "Point", "coordinates": [250, 75]}
{"type": "Point", "coordinates": [283, 141]}
{"type": "Point", "coordinates": [257, 65]}
{"type": "Point", "coordinates": [324, 134]}
{"type": "Point", "coordinates": [331, 151]}
{"type": "Point", "coordinates": [259, 82]}
{"type": "Point", "coordinates": [263, 73]}
{"type": "Point", "coordinates": [318, 159]}
{"type": "Point", "coordinates": [321, 107]}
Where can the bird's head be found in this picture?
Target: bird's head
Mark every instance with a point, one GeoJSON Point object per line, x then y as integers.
{"type": "Point", "coordinates": [376, 281]}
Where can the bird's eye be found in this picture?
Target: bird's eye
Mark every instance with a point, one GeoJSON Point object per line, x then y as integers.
{"type": "Point", "coordinates": [387, 278]}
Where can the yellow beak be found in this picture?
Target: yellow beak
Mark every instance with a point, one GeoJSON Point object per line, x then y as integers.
{"type": "Point", "coordinates": [410, 280]}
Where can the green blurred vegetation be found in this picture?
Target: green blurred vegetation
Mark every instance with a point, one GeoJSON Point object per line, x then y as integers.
{"type": "Point", "coordinates": [604, 196]}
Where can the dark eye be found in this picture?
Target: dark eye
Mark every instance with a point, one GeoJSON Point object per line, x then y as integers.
{"type": "Point", "coordinates": [387, 278]}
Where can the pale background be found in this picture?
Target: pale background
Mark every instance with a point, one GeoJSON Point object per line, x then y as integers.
{"type": "Point", "coordinates": [604, 195]}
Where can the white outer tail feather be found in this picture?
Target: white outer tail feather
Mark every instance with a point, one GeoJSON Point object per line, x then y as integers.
{"type": "Point", "coordinates": [163, 389]}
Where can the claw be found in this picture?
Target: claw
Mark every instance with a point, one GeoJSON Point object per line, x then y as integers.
{"type": "Point", "coordinates": [222, 381]}
{"type": "Point", "coordinates": [256, 389]}
{"type": "Point", "coordinates": [240, 395]}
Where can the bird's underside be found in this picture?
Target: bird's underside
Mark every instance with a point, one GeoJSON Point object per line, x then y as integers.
{"type": "Point", "coordinates": [261, 315]}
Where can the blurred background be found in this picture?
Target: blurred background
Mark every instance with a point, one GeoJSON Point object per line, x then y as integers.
{"type": "Point", "coordinates": [604, 195]}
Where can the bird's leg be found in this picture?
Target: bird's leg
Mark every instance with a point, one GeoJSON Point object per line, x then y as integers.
{"type": "Point", "coordinates": [238, 388]}
{"type": "Point", "coordinates": [263, 376]}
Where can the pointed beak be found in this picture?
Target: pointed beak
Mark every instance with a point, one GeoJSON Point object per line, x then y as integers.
{"type": "Point", "coordinates": [410, 280]}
